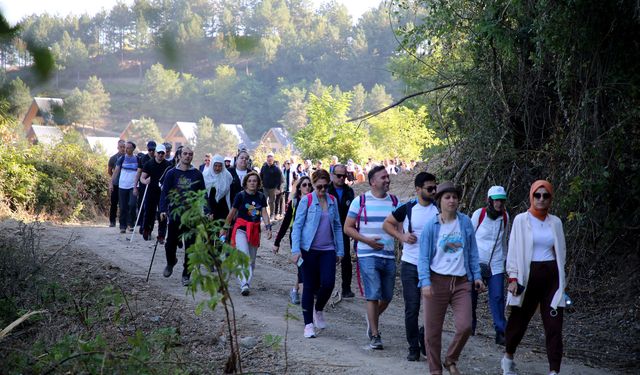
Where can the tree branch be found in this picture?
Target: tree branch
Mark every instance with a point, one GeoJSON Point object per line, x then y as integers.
{"type": "Point", "coordinates": [379, 111]}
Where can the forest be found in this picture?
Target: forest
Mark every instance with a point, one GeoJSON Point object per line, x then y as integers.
{"type": "Point", "coordinates": [491, 93]}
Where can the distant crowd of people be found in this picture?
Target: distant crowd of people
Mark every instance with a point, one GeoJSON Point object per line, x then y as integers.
{"type": "Point", "coordinates": [447, 258]}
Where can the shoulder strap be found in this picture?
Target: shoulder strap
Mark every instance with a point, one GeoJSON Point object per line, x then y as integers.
{"type": "Point", "coordinates": [394, 200]}
{"type": "Point", "coordinates": [362, 210]}
{"type": "Point", "coordinates": [309, 199]}
{"type": "Point", "coordinates": [504, 218]}
{"type": "Point", "coordinates": [410, 205]}
{"type": "Point", "coordinates": [483, 213]}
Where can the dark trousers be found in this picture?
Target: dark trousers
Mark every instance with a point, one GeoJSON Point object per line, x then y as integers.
{"type": "Point", "coordinates": [278, 204]}
{"type": "Point", "coordinates": [150, 210]}
{"type": "Point", "coordinates": [345, 265]}
{"type": "Point", "coordinates": [542, 285]}
{"type": "Point", "coordinates": [171, 246]}
{"type": "Point", "coordinates": [127, 208]}
{"type": "Point", "coordinates": [113, 209]}
{"type": "Point", "coordinates": [318, 278]}
{"type": "Point", "coordinates": [412, 295]}
{"type": "Point", "coordinates": [270, 194]}
{"type": "Point", "coordinates": [495, 284]}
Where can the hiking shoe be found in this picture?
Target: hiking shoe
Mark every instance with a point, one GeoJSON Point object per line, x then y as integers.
{"type": "Point", "coordinates": [168, 270]}
{"type": "Point", "coordinates": [244, 290]}
{"type": "Point", "coordinates": [500, 340]}
{"type": "Point", "coordinates": [348, 294]}
{"type": "Point", "coordinates": [309, 331]}
{"type": "Point", "coordinates": [414, 355]}
{"type": "Point", "coordinates": [145, 234]}
{"type": "Point", "coordinates": [122, 231]}
{"type": "Point", "coordinates": [186, 280]}
{"type": "Point", "coordinates": [111, 225]}
{"type": "Point", "coordinates": [369, 334]}
{"type": "Point", "coordinates": [318, 319]}
{"type": "Point", "coordinates": [508, 366]}
{"type": "Point", "coordinates": [160, 240]}
{"type": "Point", "coordinates": [294, 296]}
{"type": "Point", "coordinates": [376, 342]}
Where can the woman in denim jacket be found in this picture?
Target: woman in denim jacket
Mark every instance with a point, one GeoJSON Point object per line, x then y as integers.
{"type": "Point", "coordinates": [317, 242]}
{"type": "Point", "coordinates": [447, 270]}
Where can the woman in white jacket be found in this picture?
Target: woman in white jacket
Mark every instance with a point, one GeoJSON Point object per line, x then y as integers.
{"type": "Point", "coordinates": [535, 265]}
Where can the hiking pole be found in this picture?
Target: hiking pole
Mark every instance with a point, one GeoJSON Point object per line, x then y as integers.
{"type": "Point", "coordinates": [139, 212]}
{"type": "Point", "coordinates": [153, 256]}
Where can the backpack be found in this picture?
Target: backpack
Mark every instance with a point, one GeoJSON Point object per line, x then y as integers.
{"type": "Point", "coordinates": [483, 213]}
{"type": "Point", "coordinates": [410, 205]}
{"type": "Point", "coordinates": [363, 209]}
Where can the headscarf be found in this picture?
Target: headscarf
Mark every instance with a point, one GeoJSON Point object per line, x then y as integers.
{"type": "Point", "coordinates": [538, 213]}
{"type": "Point", "coordinates": [221, 181]}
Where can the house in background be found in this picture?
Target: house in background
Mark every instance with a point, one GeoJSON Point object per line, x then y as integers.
{"type": "Point", "coordinates": [43, 111]}
{"type": "Point", "coordinates": [103, 145]}
{"type": "Point", "coordinates": [276, 139]}
{"type": "Point", "coordinates": [243, 139]}
{"type": "Point", "coordinates": [182, 133]}
{"type": "Point", "coordinates": [45, 135]}
{"type": "Point", "coordinates": [126, 133]}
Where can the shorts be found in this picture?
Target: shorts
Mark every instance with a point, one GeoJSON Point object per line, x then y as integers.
{"type": "Point", "coordinates": [379, 277]}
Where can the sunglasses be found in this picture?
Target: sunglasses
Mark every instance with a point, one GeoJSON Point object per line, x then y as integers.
{"type": "Point", "coordinates": [544, 196]}
{"type": "Point", "coordinates": [306, 184]}
{"type": "Point", "coordinates": [160, 152]}
{"type": "Point", "coordinates": [340, 175]}
{"type": "Point", "coordinates": [322, 187]}
{"type": "Point", "coordinates": [430, 189]}
{"type": "Point", "coordinates": [187, 153]}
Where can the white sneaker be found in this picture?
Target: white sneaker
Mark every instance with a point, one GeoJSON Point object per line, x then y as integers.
{"type": "Point", "coordinates": [309, 331]}
{"type": "Point", "coordinates": [244, 290]}
{"type": "Point", "coordinates": [553, 373]}
{"type": "Point", "coordinates": [508, 366]}
{"type": "Point", "coordinates": [318, 319]}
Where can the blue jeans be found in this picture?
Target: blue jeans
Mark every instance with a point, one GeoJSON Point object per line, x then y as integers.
{"type": "Point", "coordinates": [127, 208]}
{"type": "Point", "coordinates": [378, 276]}
{"type": "Point", "coordinates": [412, 295]}
{"type": "Point", "coordinates": [319, 278]}
{"type": "Point", "coordinates": [496, 302]}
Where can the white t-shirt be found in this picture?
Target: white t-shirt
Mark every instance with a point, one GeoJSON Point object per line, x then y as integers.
{"type": "Point", "coordinates": [543, 240]}
{"type": "Point", "coordinates": [449, 258]}
{"type": "Point", "coordinates": [419, 217]}
{"type": "Point", "coordinates": [486, 234]}
{"type": "Point", "coordinates": [241, 174]}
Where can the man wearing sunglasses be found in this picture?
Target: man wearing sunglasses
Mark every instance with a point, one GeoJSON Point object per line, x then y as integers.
{"type": "Point", "coordinates": [344, 194]}
{"type": "Point", "coordinates": [412, 217]}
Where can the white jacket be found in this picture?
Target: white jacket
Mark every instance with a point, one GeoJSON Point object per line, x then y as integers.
{"type": "Point", "coordinates": [486, 235]}
{"type": "Point", "coordinates": [521, 252]}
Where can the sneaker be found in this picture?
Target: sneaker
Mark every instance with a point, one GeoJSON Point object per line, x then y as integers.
{"type": "Point", "coordinates": [309, 331]}
{"type": "Point", "coordinates": [145, 234]}
{"type": "Point", "coordinates": [369, 334]}
{"type": "Point", "coordinates": [414, 355]}
{"type": "Point", "coordinates": [318, 319]}
{"type": "Point", "coordinates": [348, 294]}
{"type": "Point", "coordinates": [376, 342]}
{"type": "Point", "coordinates": [500, 340]}
{"type": "Point", "coordinates": [553, 373]}
{"type": "Point", "coordinates": [508, 366]}
{"type": "Point", "coordinates": [160, 240]}
{"type": "Point", "coordinates": [122, 231]}
{"type": "Point", "coordinates": [186, 281]}
{"type": "Point", "coordinates": [130, 230]}
{"type": "Point", "coordinates": [423, 347]}
{"type": "Point", "coordinates": [294, 296]}
{"type": "Point", "coordinates": [111, 225]}
{"type": "Point", "coordinates": [244, 290]}
{"type": "Point", "coordinates": [168, 270]}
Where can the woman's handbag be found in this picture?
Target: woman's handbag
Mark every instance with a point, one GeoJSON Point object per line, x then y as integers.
{"type": "Point", "coordinates": [485, 268]}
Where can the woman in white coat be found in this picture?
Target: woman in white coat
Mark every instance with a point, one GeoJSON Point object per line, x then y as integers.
{"type": "Point", "coordinates": [535, 265]}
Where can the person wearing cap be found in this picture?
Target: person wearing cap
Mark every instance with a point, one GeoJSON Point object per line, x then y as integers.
{"type": "Point", "coordinates": [152, 172]}
{"type": "Point", "coordinates": [127, 172]}
{"type": "Point", "coordinates": [271, 177]}
{"type": "Point", "coordinates": [447, 271]}
{"type": "Point", "coordinates": [491, 224]}
{"type": "Point", "coordinates": [535, 268]}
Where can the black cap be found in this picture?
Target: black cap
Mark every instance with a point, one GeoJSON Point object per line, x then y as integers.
{"type": "Point", "coordinates": [151, 145]}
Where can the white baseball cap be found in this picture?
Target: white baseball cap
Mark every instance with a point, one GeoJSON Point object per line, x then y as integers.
{"type": "Point", "coordinates": [161, 148]}
{"type": "Point", "coordinates": [497, 192]}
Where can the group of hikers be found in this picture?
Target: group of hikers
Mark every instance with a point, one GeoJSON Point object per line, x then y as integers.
{"type": "Point", "coordinates": [447, 258]}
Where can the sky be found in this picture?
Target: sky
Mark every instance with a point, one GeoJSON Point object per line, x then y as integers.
{"type": "Point", "coordinates": [15, 10]}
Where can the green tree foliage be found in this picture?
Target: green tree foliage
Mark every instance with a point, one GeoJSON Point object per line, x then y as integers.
{"type": "Point", "coordinates": [533, 97]}
{"type": "Point", "coordinates": [89, 106]}
{"type": "Point", "coordinates": [19, 97]}
{"type": "Point", "coordinates": [144, 130]}
{"type": "Point", "coordinates": [213, 140]}
{"type": "Point", "coordinates": [160, 87]}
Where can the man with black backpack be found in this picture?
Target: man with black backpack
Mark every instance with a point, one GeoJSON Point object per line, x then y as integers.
{"type": "Point", "coordinates": [412, 217]}
{"type": "Point", "coordinates": [344, 194]}
{"type": "Point", "coordinates": [374, 248]}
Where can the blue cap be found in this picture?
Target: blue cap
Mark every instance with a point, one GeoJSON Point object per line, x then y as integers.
{"type": "Point", "coordinates": [151, 145]}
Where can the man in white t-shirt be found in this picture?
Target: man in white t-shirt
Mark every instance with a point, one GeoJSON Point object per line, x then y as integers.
{"type": "Point", "coordinates": [413, 216]}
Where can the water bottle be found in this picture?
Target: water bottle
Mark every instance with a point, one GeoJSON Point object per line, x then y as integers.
{"type": "Point", "coordinates": [567, 300]}
{"type": "Point", "coordinates": [223, 238]}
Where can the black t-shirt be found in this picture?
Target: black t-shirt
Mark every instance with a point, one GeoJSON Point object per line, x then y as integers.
{"type": "Point", "coordinates": [250, 206]}
{"type": "Point", "coordinates": [112, 164]}
{"type": "Point", "coordinates": [155, 170]}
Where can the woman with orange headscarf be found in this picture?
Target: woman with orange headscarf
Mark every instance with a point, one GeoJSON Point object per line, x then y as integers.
{"type": "Point", "coordinates": [535, 265]}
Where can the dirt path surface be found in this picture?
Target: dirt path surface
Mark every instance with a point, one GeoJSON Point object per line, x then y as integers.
{"type": "Point", "coordinates": [341, 348]}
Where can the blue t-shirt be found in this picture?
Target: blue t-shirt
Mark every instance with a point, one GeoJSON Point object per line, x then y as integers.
{"type": "Point", "coordinates": [128, 169]}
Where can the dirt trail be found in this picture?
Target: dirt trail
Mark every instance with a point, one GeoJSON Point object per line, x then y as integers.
{"type": "Point", "coordinates": [341, 348]}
